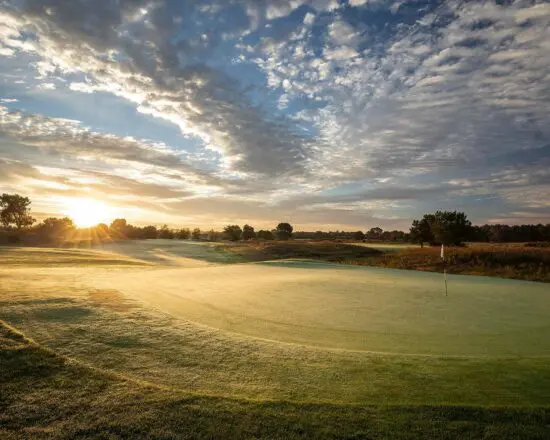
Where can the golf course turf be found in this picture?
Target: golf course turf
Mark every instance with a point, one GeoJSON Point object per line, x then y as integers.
{"type": "Point", "coordinates": [175, 343]}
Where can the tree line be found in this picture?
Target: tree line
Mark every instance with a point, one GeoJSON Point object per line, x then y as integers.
{"type": "Point", "coordinates": [441, 227]}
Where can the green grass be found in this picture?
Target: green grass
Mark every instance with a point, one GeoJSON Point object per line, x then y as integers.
{"type": "Point", "coordinates": [107, 354]}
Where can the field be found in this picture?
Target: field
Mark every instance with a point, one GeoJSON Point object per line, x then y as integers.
{"type": "Point", "coordinates": [166, 339]}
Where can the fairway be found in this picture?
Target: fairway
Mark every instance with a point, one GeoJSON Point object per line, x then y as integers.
{"type": "Point", "coordinates": [355, 308]}
{"type": "Point", "coordinates": [196, 323]}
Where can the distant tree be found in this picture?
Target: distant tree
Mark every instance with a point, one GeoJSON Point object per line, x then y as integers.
{"type": "Point", "coordinates": [451, 227]}
{"type": "Point", "coordinates": [232, 232]}
{"type": "Point", "coordinates": [165, 233]}
{"type": "Point", "coordinates": [119, 224]}
{"type": "Point", "coordinates": [421, 231]}
{"type": "Point", "coordinates": [265, 235]}
{"type": "Point", "coordinates": [248, 232]}
{"type": "Point", "coordinates": [53, 228]}
{"type": "Point", "coordinates": [196, 234]}
{"type": "Point", "coordinates": [284, 231]}
{"type": "Point", "coordinates": [15, 210]}
{"type": "Point", "coordinates": [375, 233]}
{"type": "Point", "coordinates": [184, 234]}
{"type": "Point", "coordinates": [213, 235]}
{"type": "Point", "coordinates": [358, 235]}
{"type": "Point", "coordinates": [442, 227]}
{"type": "Point", "coordinates": [149, 232]}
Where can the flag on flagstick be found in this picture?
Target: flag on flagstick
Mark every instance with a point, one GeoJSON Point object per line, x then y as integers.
{"type": "Point", "coordinates": [444, 267]}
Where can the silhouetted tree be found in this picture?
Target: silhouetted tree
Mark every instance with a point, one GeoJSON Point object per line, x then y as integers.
{"type": "Point", "coordinates": [15, 210]}
{"type": "Point", "coordinates": [165, 233]}
{"type": "Point", "coordinates": [196, 234]}
{"type": "Point", "coordinates": [184, 234]}
{"type": "Point", "coordinates": [248, 232]}
{"type": "Point", "coordinates": [375, 233]}
{"type": "Point", "coordinates": [442, 227]}
{"type": "Point", "coordinates": [149, 232]}
{"type": "Point", "coordinates": [232, 232]}
{"type": "Point", "coordinates": [265, 235]}
{"type": "Point", "coordinates": [358, 235]}
{"type": "Point", "coordinates": [213, 235]}
{"type": "Point", "coordinates": [284, 231]}
{"type": "Point", "coordinates": [54, 229]}
{"type": "Point", "coordinates": [421, 231]}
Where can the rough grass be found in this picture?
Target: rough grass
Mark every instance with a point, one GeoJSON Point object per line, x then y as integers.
{"type": "Point", "coordinates": [506, 261]}
{"type": "Point", "coordinates": [325, 251]}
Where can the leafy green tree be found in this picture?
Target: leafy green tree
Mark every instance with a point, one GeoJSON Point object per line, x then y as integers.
{"type": "Point", "coordinates": [248, 232]}
{"type": "Point", "coordinates": [442, 227]}
{"type": "Point", "coordinates": [451, 227]}
{"type": "Point", "coordinates": [15, 210]}
{"type": "Point", "coordinates": [196, 234]}
{"type": "Point", "coordinates": [421, 231]}
{"type": "Point", "coordinates": [265, 235]}
{"type": "Point", "coordinates": [232, 232]}
{"type": "Point", "coordinates": [284, 231]}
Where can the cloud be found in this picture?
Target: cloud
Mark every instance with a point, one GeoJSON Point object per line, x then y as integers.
{"type": "Point", "coordinates": [316, 96]}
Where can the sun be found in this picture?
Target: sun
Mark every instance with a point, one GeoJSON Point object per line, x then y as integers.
{"type": "Point", "coordinates": [88, 212]}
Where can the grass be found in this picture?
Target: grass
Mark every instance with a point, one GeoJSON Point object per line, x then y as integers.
{"type": "Point", "coordinates": [506, 261]}
{"type": "Point", "coordinates": [46, 396]}
{"type": "Point", "coordinates": [105, 353]}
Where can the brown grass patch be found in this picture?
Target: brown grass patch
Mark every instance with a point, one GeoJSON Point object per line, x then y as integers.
{"type": "Point", "coordinates": [111, 299]}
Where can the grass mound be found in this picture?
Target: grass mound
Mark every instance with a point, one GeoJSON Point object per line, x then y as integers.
{"type": "Point", "coordinates": [323, 251]}
{"type": "Point", "coordinates": [44, 396]}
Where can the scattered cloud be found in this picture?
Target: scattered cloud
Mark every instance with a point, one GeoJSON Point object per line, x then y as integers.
{"type": "Point", "coordinates": [356, 103]}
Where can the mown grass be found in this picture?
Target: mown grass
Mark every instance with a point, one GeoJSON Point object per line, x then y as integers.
{"type": "Point", "coordinates": [106, 366]}
{"type": "Point", "coordinates": [45, 396]}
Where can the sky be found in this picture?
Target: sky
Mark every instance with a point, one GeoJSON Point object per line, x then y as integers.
{"type": "Point", "coordinates": [329, 114]}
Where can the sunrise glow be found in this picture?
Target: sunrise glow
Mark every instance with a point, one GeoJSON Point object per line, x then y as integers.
{"type": "Point", "coordinates": [88, 212]}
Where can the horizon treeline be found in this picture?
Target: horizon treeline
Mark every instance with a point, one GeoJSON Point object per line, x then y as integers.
{"type": "Point", "coordinates": [449, 227]}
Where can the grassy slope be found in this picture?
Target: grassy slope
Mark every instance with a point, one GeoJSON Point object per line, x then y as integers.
{"type": "Point", "coordinates": [46, 396]}
{"type": "Point", "coordinates": [196, 371]}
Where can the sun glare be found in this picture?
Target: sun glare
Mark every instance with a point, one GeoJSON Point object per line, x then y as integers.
{"type": "Point", "coordinates": [88, 212]}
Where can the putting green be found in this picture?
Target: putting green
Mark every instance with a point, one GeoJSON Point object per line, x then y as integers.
{"type": "Point", "coordinates": [352, 308]}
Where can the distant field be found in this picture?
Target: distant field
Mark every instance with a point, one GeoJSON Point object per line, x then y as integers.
{"type": "Point", "coordinates": [176, 342]}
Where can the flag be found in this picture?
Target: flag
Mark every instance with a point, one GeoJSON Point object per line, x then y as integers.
{"type": "Point", "coordinates": [443, 252]}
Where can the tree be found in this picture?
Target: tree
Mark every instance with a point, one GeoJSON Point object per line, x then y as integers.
{"type": "Point", "coordinates": [54, 228]}
{"type": "Point", "coordinates": [119, 224]}
{"type": "Point", "coordinates": [184, 234]}
{"type": "Point", "coordinates": [165, 233]}
{"type": "Point", "coordinates": [248, 232]}
{"type": "Point", "coordinates": [421, 231]}
{"type": "Point", "coordinates": [451, 227]}
{"type": "Point", "coordinates": [442, 227]}
{"type": "Point", "coordinates": [264, 235]}
{"type": "Point", "coordinates": [15, 210]}
{"type": "Point", "coordinates": [149, 232]}
{"type": "Point", "coordinates": [196, 234]}
{"type": "Point", "coordinates": [358, 235]}
{"type": "Point", "coordinates": [284, 231]}
{"type": "Point", "coordinates": [375, 233]}
{"type": "Point", "coordinates": [232, 232]}
{"type": "Point", "coordinates": [213, 235]}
